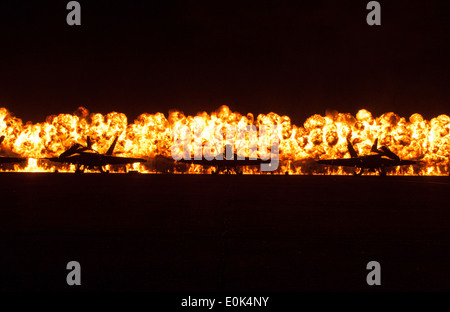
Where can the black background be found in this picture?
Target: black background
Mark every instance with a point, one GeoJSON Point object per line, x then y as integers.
{"type": "Point", "coordinates": [291, 57]}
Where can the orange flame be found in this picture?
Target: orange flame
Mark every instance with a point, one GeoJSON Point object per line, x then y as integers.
{"type": "Point", "coordinates": [150, 136]}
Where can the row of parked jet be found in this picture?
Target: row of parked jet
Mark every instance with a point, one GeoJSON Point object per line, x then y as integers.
{"type": "Point", "coordinates": [378, 160]}
{"type": "Point", "coordinates": [85, 157]}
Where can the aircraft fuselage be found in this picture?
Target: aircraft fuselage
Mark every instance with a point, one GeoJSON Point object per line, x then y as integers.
{"type": "Point", "coordinates": [95, 161]}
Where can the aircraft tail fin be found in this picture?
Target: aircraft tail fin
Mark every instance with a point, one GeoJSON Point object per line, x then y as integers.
{"type": "Point", "coordinates": [2, 138]}
{"type": "Point", "coordinates": [73, 149]}
{"type": "Point", "coordinates": [111, 148]}
{"type": "Point", "coordinates": [351, 150]}
{"type": "Point", "coordinates": [390, 154]}
{"type": "Point", "coordinates": [375, 146]}
{"type": "Point", "coordinates": [89, 142]}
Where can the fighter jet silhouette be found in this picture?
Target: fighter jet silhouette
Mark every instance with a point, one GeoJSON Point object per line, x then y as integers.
{"type": "Point", "coordinates": [227, 165]}
{"type": "Point", "coordinates": [84, 157]}
{"type": "Point", "coordinates": [10, 160]}
{"type": "Point", "coordinates": [377, 161]}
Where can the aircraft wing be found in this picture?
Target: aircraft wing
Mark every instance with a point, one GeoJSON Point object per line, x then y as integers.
{"type": "Point", "coordinates": [345, 162]}
{"type": "Point", "coordinates": [68, 160]}
{"type": "Point", "coordinates": [407, 162]}
{"type": "Point", "coordinates": [115, 160]}
{"type": "Point", "coordinates": [9, 160]}
{"type": "Point", "coordinates": [225, 162]}
{"type": "Point", "coordinates": [202, 162]}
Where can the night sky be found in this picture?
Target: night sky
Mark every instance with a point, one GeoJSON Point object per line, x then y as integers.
{"type": "Point", "coordinates": [297, 58]}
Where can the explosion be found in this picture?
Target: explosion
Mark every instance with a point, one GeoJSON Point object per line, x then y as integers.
{"type": "Point", "coordinates": [151, 136]}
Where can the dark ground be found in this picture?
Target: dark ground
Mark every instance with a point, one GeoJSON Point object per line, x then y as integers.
{"type": "Point", "coordinates": [224, 233]}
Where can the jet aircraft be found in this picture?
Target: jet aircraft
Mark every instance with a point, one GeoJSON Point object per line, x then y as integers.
{"type": "Point", "coordinates": [84, 157]}
{"type": "Point", "coordinates": [227, 165]}
{"type": "Point", "coordinates": [378, 160]}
